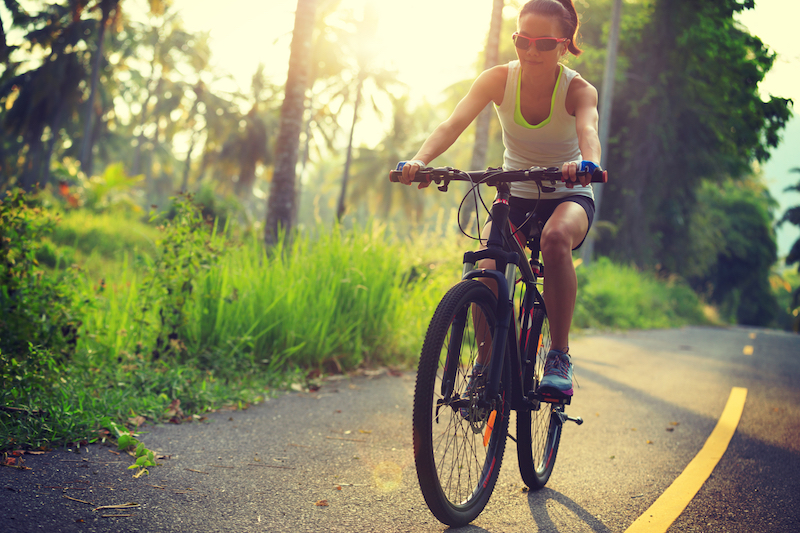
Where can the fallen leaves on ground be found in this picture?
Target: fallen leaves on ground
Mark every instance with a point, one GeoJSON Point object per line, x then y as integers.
{"type": "Point", "coordinates": [137, 420]}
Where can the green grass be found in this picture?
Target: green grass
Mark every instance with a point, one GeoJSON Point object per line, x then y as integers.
{"type": "Point", "coordinates": [98, 242]}
{"type": "Point", "coordinates": [244, 323]}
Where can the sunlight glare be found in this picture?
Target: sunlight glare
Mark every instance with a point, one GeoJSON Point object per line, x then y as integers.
{"type": "Point", "coordinates": [430, 44]}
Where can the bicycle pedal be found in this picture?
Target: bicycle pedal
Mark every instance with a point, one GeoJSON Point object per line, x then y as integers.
{"type": "Point", "coordinates": [546, 394]}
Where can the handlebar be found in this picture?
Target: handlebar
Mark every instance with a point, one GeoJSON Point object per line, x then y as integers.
{"type": "Point", "coordinates": [493, 176]}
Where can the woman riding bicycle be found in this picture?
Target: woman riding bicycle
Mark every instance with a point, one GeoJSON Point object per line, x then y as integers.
{"type": "Point", "coordinates": [549, 117]}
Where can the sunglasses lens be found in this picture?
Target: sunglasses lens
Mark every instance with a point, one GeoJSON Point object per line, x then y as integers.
{"type": "Point", "coordinates": [546, 45]}
{"type": "Point", "coordinates": [521, 42]}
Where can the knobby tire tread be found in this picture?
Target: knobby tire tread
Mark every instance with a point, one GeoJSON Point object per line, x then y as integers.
{"type": "Point", "coordinates": [538, 432]}
{"type": "Point", "coordinates": [436, 485]}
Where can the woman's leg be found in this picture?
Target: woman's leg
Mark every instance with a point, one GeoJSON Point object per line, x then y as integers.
{"type": "Point", "coordinates": [564, 230]}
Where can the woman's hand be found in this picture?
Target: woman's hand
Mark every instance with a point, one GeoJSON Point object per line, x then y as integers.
{"type": "Point", "coordinates": [409, 169]}
{"type": "Point", "coordinates": [569, 172]}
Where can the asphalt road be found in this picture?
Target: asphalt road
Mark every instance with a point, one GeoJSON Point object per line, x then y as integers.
{"type": "Point", "coordinates": [340, 459]}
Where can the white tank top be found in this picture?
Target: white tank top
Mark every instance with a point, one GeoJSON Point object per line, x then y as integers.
{"type": "Point", "coordinates": [551, 143]}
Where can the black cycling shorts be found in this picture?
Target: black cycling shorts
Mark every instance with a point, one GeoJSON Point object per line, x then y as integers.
{"type": "Point", "coordinates": [522, 207]}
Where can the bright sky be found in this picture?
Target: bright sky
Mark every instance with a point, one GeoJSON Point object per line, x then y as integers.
{"type": "Point", "coordinates": [247, 32]}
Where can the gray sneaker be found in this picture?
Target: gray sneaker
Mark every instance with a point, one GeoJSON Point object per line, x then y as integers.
{"type": "Point", "coordinates": [557, 373]}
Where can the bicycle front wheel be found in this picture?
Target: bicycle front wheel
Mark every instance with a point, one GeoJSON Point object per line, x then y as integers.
{"type": "Point", "coordinates": [538, 429]}
{"type": "Point", "coordinates": [459, 434]}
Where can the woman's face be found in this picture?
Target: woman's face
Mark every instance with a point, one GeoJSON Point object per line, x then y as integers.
{"type": "Point", "coordinates": [533, 60]}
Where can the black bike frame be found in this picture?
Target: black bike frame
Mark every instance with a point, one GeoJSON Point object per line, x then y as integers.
{"type": "Point", "coordinates": [504, 274]}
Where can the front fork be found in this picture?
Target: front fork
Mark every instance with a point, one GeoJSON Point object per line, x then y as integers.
{"type": "Point", "coordinates": [504, 275]}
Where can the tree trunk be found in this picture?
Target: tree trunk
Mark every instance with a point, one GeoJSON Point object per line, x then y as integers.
{"type": "Point", "coordinates": [188, 164]}
{"type": "Point", "coordinates": [193, 140]}
{"type": "Point", "coordinates": [55, 127]}
{"type": "Point", "coordinates": [484, 120]}
{"type": "Point", "coordinates": [137, 154]}
{"type": "Point", "coordinates": [282, 198]}
{"type": "Point", "coordinates": [340, 208]}
{"type": "Point", "coordinates": [606, 99]}
{"type": "Point", "coordinates": [32, 171]}
{"type": "Point", "coordinates": [306, 152]}
{"type": "Point", "coordinates": [86, 147]}
{"type": "Point", "coordinates": [491, 56]}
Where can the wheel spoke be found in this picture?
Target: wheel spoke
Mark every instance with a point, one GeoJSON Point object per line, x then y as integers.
{"type": "Point", "coordinates": [449, 446]}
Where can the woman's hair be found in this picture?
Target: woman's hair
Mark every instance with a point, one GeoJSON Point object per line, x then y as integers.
{"type": "Point", "coordinates": [561, 10]}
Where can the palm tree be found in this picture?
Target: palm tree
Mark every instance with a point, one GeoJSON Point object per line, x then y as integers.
{"type": "Point", "coordinates": [364, 48]}
{"type": "Point", "coordinates": [282, 197]}
{"type": "Point", "coordinates": [35, 112]}
{"type": "Point", "coordinates": [491, 57]}
{"type": "Point", "coordinates": [248, 147]}
{"type": "Point", "coordinates": [371, 165]}
{"type": "Point", "coordinates": [327, 66]}
{"type": "Point", "coordinates": [163, 91]}
{"type": "Point", "coordinates": [108, 9]}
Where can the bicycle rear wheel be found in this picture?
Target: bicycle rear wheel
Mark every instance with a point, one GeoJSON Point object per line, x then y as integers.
{"type": "Point", "coordinates": [538, 430]}
{"type": "Point", "coordinates": [459, 436]}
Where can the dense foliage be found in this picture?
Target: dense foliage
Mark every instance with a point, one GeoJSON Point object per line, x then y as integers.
{"type": "Point", "coordinates": [689, 112]}
{"type": "Point", "coordinates": [792, 216]}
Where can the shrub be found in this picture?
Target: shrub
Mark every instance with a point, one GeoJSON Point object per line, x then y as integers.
{"type": "Point", "coordinates": [620, 297]}
{"type": "Point", "coordinates": [36, 308]}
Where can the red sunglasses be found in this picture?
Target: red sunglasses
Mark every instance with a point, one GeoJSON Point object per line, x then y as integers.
{"type": "Point", "coordinates": [542, 44]}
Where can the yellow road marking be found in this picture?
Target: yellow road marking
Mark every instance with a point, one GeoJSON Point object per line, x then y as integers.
{"type": "Point", "coordinates": [752, 335]}
{"type": "Point", "coordinates": [748, 350]}
{"type": "Point", "coordinates": [668, 507]}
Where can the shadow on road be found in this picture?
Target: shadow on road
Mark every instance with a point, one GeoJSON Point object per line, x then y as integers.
{"type": "Point", "coordinates": [538, 502]}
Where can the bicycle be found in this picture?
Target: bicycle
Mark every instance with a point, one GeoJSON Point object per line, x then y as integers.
{"type": "Point", "coordinates": [459, 429]}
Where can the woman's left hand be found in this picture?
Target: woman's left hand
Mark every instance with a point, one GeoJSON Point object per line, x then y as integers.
{"type": "Point", "coordinates": [569, 172]}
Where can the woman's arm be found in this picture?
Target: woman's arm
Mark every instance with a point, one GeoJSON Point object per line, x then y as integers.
{"type": "Point", "coordinates": [488, 87]}
{"type": "Point", "coordinates": [582, 99]}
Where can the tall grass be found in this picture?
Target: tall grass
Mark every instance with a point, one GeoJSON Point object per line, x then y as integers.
{"type": "Point", "coordinates": [328, 301]}
{"type": "Point", "coordinates": [240, 320]}
{"type": "Point", "coordinates": [336, 301]}
{"type": "Point", "coordinates": [104, 233]}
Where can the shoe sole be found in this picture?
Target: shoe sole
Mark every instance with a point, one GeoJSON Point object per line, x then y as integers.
{"type": "Point", "coordinates": [552, 392]}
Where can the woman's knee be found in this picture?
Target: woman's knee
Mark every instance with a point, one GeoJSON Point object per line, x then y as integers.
{"type": "Point", "coordinates": [556, 239]}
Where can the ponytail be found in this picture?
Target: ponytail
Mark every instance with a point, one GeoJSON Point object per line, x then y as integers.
{"type": "Point", "coordinates": [564, 12]}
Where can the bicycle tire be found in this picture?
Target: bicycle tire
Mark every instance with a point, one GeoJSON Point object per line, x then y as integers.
{"type": "Point", "coordinates": [538, 430]}
{"type": "Point", "coordinates": [457, 469]}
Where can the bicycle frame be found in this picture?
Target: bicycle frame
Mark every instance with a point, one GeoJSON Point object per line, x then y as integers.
{"type": "Point", "coordinates": [458, 463]}
{"type": "Point", "coordinates": [507, 264]}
